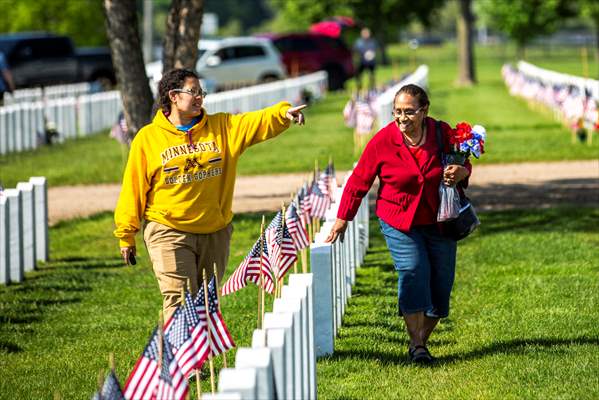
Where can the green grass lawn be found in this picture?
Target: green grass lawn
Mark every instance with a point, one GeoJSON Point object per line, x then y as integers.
{"type": "Point", "coordinates": [58, 326]}
{"type": "Point", "coordinates": [523, 321]}
{"type": "Point", "coordinates": [515, 132]}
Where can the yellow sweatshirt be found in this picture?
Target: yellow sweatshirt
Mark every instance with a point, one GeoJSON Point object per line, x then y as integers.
{"type": "Point", "coordinates": [189, 188]}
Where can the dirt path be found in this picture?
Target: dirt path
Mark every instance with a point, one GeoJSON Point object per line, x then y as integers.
{"type": "Point", "coordinates": [498, 186]}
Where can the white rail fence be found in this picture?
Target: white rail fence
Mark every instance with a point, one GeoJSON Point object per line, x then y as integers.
{"type": "Point", "coordinates": [256, 97]}
{"type": "Point", "coordinates": [23, 124]}
{"type": "Point", "coordinates": [32, 95]}
{"type": "Point", "coordinates": [23, 229]}
{"type": "Point", "coordinates": [383, 105]}
{"type": "Point", "coordinates": [282, 360]}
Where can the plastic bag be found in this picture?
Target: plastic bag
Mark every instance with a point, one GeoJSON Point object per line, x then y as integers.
{"type": "Point", "coordinates": [449, 206]}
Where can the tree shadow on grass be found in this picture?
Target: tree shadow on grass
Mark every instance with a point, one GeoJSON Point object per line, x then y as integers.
{"type": "Point", "coordinates": [8, 347]}
{"type": "Point", "coordinates": [84, 263]}
{"type": "Point", "coordinates": [33, 311]}
{"type": "Point", "coordinates": [516, 346]}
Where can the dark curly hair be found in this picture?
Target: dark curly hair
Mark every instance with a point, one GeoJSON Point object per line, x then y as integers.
{"type": "Point", "coordinates": [414, 91]}
{"type": "Point", "coordinates": [173, 79]}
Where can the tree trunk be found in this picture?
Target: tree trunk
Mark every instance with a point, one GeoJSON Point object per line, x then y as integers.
{"type": "Point", "coordinates": [127, 57]}
{"type": "Point", "coordinates": [597, 44]}
{"type": "Point", "coordinates": [182, 34]}
{"type": "Point", "coordinates": [466, 72]}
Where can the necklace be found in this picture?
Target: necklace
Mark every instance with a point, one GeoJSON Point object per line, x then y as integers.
{"type": "Point", "coordinates": [410, 143]}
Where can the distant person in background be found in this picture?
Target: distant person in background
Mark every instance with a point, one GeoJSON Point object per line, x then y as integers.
{"type": "Point", "coordinates": [7, 84]}
{"type": "Point", "coordinates": [365, 48]}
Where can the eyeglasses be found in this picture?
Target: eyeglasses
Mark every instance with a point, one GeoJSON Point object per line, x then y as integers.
{"type": "Point", "coordinates": [192, 93]}
{"type": "Point", "coordinates": [408, 113]}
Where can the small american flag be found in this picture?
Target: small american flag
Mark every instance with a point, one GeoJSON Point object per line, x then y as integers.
{"type": "Point", "coordinates": [147, 381]}
{"type": "Point", "coordinates": [303, 201]}
{"type": "Point", "coordinates": [187, 336]}
{"type": "Point", "coordinates": [249, 270]}
{"type": "Point", "coordinates": [221, 338]}
{"type": "Point", "coordinates": [280, 246]}
{"type": "Point", "coordinates": [319, 201]}
{"type": "Point", "coordinates": [296, 228]}
{"type": "Point", "coordinates": [111, 390]}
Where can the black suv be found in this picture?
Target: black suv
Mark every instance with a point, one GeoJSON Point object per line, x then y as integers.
{"type": "Point", "coordinates": [40, 59]}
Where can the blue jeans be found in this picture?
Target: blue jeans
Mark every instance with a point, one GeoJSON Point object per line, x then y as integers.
{"type": "Point", "coordinates": [425, 261]}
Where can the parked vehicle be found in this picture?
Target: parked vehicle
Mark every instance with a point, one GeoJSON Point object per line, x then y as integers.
{"type": "Point", "coordinates": [309, 52]}
{"type": "Point", "coordinates": [42, 59]}
{"type": "Point", "coordinates": [232, 62]}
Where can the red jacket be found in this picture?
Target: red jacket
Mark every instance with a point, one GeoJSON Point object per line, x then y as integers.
{"type": "Point", "coordinates": [403, 185]}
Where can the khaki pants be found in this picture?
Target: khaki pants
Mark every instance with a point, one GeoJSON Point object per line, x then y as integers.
{"type": "Point", "coordinates": [181, 256]}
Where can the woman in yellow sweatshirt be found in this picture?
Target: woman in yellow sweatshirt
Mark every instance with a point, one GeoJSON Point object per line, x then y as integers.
{"type": "Point", "coordinates": [180, 178]}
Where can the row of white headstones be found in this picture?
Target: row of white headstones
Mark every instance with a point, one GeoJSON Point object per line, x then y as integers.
{"type": "Point", "coordinates": [23, 229]}
{"type": "Point", "coordinates": [281, 362]}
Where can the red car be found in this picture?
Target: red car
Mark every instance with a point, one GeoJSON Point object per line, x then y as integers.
{"type": "Point", "coordinates": [310, 52]}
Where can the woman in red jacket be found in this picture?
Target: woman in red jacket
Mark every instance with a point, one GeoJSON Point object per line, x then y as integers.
{"type": "Point", "coordinates": [405, 157]}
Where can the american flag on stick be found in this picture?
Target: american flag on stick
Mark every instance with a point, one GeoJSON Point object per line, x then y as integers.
{"type": "Point", "coordinates": [187, 336]}
{"type": "Point", "coordinates": [304, 204]}
{"type": "Point", "coordinates": [249, 270]}
{"type": "Point", "coordinates": [319, 201]}
{"type": "Point", "coordinates": [280, 246]}
{"type": "Point", "coordinates": [296, 229]}
{"type": "Point", "coordinates": [156, 374]}
{"type": "Point", "coordinates": [221, 338]}
{"type": "Point", "coordinates": [327, 181]}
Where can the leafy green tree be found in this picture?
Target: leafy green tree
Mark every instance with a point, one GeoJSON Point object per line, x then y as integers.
{"type": "Point", "coordinates": [385, 18]}
{"type": "Point", "coordinates": [523, 20]}
{"type": "Point", "coordinates": [82, 20]}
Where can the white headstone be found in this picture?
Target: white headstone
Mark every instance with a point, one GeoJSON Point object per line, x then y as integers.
{"type": "Point", "coordinates": [259, 338]}
{"type": "Point", "coordinates": [283, 321]}
{"type": "Point", "coordinates": [292, 293]}
{"type": "Point", "coordinates": [4, 240]}
{"type": "Point", "coordinates": [320, 263]}
{"type": "Point", "coordinates": [238, 380]}
{"type": "Point", "coordinates": [40, 199]}
{"type": "Point", "coordinates": [275, 339]}
{"type": "Point", "coordinates": [261, 360]}
{"type": "Point", "coordinates": [307, 280]}
{"type": "Point", "coordinates": [293, 305]}
{"type": "Point", "coordinates": [28, 221]}
{"type": "Point", "coordinates": [221, 396]}
{"type": "Point", "coordinates": [15, 232]}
